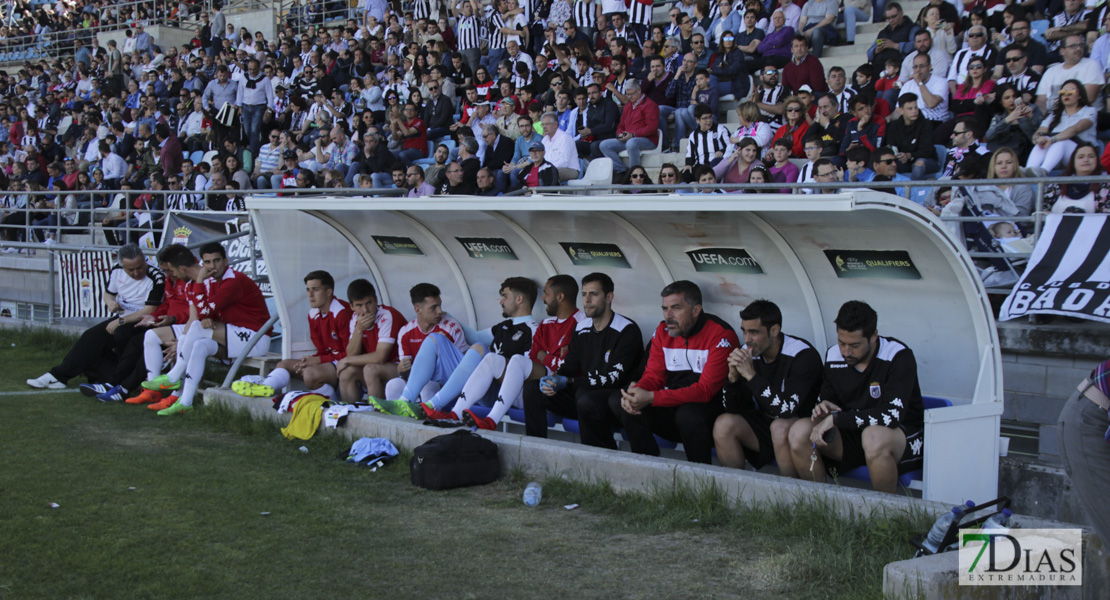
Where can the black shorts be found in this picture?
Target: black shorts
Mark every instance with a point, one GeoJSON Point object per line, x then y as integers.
{"type": "Point", "coordinates": [761, 427]}
{"type": "Point", "coordinates": [912, 455]}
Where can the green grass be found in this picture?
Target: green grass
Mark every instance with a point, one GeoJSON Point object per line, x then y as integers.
{"type": "Point", "coordinates": [155, 507]}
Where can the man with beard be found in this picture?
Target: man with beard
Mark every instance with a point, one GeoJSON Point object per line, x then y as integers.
{"type": "Point", "coordinates": [869, 410]}
{"type": "Point", "coordinates": [550, 343]}
{"type": "Point", "coordinates": [603, 353]}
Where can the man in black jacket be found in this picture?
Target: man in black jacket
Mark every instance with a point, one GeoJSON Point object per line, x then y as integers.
{"type": "Point", "coordinates": [376, 160]}
{"type": "Point", "coordinates": [438, 112]}
{"type": "Point", "coordinates": [913, 138]}
{"type": "Point", "coordinates": [869, 412]}
{"type": "Point", "coordinates": [600, 360]}
{"type": "Point", "coordinates": [602, 118]}
{"type": "Point", "coordinates": [773, 379]}
{"type": "Point", "coordinates": [499, 149]}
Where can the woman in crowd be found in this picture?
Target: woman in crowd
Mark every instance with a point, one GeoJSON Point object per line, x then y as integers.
{"type": "Point", "coordinates": [669, 175]}
{"type": "Point", "coordinates": [482, 83]}
{"type": "Point", "coordinates": [1013, 123]}
{"type": "Point", "coordinates": [1004, 165]}
{"type": "Point", "coordinates": [1072, 120]}
{"type": "Point", "coordinates": [236, 172]}
{"type": "Point", "coordinates": [727, 21]}
{"type": "Point", "coordinates": [794, 127]}
{"type": "Point", "coordinates": [735, 167]}
{"type": "Point", "coordinates": [638, 176]}
{"type": "Point", "coordinates": [752, 125]}
{"type": "Point", "coordinates": [1080, 197]}
{"type": "Point", "coordinates": [761, 175]}
{"type": "Point", "coordinates": [942, 32]}
{"type": "Point", "coordinates": [727, 65]}
{"type": "Point", "coordinates": [973, 92]}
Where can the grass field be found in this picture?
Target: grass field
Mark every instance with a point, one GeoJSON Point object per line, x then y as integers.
{"type": "Point", "coordinates": [152, 507]}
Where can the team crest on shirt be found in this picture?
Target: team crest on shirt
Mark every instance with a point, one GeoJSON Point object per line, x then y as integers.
{"type": "Point", "coordinates": [517, 335]}
{"type": "Point", "coordinates": [876, 391]}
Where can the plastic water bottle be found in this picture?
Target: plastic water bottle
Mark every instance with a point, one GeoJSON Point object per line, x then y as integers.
{"type": "Point", "coordinates": [1001, 521]}
{"type": "Point", "coordinates": [532, 494]}
{"type": "Point", "coordinates": [940, 527]}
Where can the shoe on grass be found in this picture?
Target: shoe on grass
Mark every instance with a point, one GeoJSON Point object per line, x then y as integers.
{"type": "Point", "coordinates": [145, 397]}
{"type": "Point", "coordinates": [252, 390]}
{"type": "Point", "coordinates": [92, 390]}
{"type": "Point", "coordinates": [115, 393]}
{"type": "Point", "coordinates": [472, 420]}
{"type": "Point", "coordinates": [427, 411]}
{"type": "Point", "coordinates": [162, 383]}
{"type": "Point", "coordinates": [46, 381]}
{"type": "Point", "coordinates": [176, 409]}
{"type": "Point", "coordinates": [163, 404]}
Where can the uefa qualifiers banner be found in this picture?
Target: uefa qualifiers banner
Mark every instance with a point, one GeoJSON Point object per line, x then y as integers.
{"type": "Point", "coordinates": [196, 228]}
{"type": "Point", "coordinates": [82, 279]}
{"type": "Point", "coordinates": [1068, 273]}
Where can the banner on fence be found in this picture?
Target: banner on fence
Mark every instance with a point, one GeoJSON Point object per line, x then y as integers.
{"type": "Point", "coordinates": [194, 229]}
{"type": "Point", "coordinates": [1068, 273]}
{"type": "Point", "coordinates": [82, 278]}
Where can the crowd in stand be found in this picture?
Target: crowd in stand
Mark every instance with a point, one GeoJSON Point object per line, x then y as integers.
{"type": "Point", "coordinates": [483, 98]}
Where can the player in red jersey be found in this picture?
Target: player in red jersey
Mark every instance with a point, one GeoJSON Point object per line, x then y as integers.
{"type": "Point", "coordinates": [226, 309]}
{"type": "Point", "coordinates": [329, 326]}
{"type": "Point", "coordinates": [430, 321]}
{"type": "Point", "coordinates": [372, 349]}
{"type": "Point", "coordinates": [549, 346]}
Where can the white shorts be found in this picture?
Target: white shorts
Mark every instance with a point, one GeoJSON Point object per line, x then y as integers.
{"type": "Point", "coordinates": [237, 338]}
{"type": "Point", "coordinates": [179, 331]}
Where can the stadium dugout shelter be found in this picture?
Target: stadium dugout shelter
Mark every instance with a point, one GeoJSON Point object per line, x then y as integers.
{"type": "Point", "coordinates": [809, 254]}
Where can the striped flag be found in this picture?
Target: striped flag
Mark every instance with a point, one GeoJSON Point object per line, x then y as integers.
{"type": "Point", "coordinates": [1068, 273]}
{"type": "Point", "coordinates": [82, 278]}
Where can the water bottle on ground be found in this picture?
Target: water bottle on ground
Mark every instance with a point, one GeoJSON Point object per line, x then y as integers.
{"type": "Point", "coordinates": [1001, 521]}
{"type": "Point", "coordinates": [532, 494]}
{"type": "Point", "coordinates": [940, 527]}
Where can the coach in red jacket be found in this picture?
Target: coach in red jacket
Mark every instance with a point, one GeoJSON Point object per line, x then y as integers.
{"type": "Point", "coordinates": [678, 395]}
{"type": "Point", "coordinates": [637, 131]}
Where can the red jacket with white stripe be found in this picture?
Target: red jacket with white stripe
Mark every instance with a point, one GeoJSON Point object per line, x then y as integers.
{"type": "Point", "coordinates": [689, 369]}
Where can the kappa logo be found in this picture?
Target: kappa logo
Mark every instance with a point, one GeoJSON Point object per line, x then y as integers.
{"type": "Point", "coordinates": [724, 343]}
{"type": "Point", "coordinates": [244, 336]}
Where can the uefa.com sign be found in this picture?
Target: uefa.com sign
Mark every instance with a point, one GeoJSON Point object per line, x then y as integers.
{"type": "Point", "coordinates": [1021, 557]}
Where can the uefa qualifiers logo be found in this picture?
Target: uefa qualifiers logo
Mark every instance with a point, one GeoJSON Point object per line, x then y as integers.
{"type": "Point", "coordinates": [1021, 557]}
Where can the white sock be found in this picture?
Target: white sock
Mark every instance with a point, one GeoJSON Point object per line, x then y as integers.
{"type": "Point", "coordinates": [394, 388]}
{"type": "Point", "coordinates": [476, 386]}
{"type": "Point", "coordinates": [152, 354]}
{"type": "Point", "coordinates": [202, 349]}
{"type": "Point", "coordinates": [512, 387]}
{"type": "Point", "coordinates": [277, 379]}
{"type": "Point", "coordinates": [326, 391]}
{"type": "Point", "coordinates": [185, 348]}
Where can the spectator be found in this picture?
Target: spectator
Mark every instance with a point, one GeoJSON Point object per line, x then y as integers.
{"type": "Point", "coordinates": [912, 140]}
{"type": "Point", "coordinates": [818, 25]}
{"type": "Point", "coordinates": [1072, 120]}
{"type": "Point", "coordinates": [804, 68]}
{"type": "Point", "coordinates": [795, 128]}
{"type": "Point", "coordinates": [1004, 165]}
{"type": "Point", "coordinates": [638, 129]}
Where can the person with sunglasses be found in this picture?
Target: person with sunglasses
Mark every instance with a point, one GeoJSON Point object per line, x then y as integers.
{"type": "Point", "coordinates": [1074, 66]}
{"type": "Point", "coordinates": [977, 47]}
{"type": "Point", "coordinates": [885, 165]}
{"type": "Point", "coordinates": [1072, 120]}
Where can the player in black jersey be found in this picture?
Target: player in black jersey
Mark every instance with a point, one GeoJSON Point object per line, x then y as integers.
{"type": "Point", "coordinates": [602, 356]}
{"type": "Point", "coordinates": [772, 381]}
{"type": "Point", "coordinates": [869, 410]}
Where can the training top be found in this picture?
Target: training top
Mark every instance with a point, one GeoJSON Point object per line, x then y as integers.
{"type": "Point", "coordinates": [133, 294]}
{"type": "Point", "coordinates": [387, 325]}
{"type": "Point", "coordinates": [681, 370]}
{"type": "Point", "coordinates": [331, 331]}
{"type": "Point", "coordinates": [513, 336]}
{"type": "Point", "coordinates": [232, 298]}
{"type": "Point", "coordinates": [887, 393]}
{"type": "Point", "coordinates": [175, 302]}
{"type": "Point", "coordinates": [552, 336]}
{"type": "Point", "coordinates": [785, 388]}
{"type": "Point", "coordinates": [411, 337]}
{"type": "Point", "coordinates": [603, 359]}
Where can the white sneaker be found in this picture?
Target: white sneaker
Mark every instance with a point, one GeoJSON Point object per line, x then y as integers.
{"type": "Point", "coordinates": [46, 381]}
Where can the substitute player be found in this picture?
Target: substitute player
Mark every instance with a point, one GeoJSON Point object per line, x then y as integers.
{"type": "Point", "coordinates": [372, 356]}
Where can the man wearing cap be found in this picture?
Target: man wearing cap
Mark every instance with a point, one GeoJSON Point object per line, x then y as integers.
{"type": "Point", "coordinates": [538, 172]}
{"type": "Point", "coordinates": [638, 129]}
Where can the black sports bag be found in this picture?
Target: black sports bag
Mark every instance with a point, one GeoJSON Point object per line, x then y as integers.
{"type": "Point", "coordinates": [457, 459]}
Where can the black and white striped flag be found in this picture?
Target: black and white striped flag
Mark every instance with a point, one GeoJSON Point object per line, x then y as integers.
{"type": "Point", "coordinates": [1068, 273]}
{"type": "Point", "coordinates": [83, 277]}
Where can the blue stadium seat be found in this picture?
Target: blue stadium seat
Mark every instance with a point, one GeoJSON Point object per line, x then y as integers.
{"type": "Point", "coordinates": [517, 414]}
{"type": "Point", "coordinates": [196, 157]}
{"type": "Point", "coordinates": [862, 474]}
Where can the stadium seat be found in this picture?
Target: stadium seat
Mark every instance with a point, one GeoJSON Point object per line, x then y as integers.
{"type": "Point", "coordinates": [599, 171]}
{"type": "Point", "coordinates": [906, 479]}
{"type": "Point", "coordinates": [1038, 30]}
{"type": "Point", "coordinates": [517, 415]}
{"type": "Point", "coordinates": [208, 156]}
{"type": "Point", "coordinates": [197, 157]}
{"type": "Point", "coordinates": [424, 162]}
